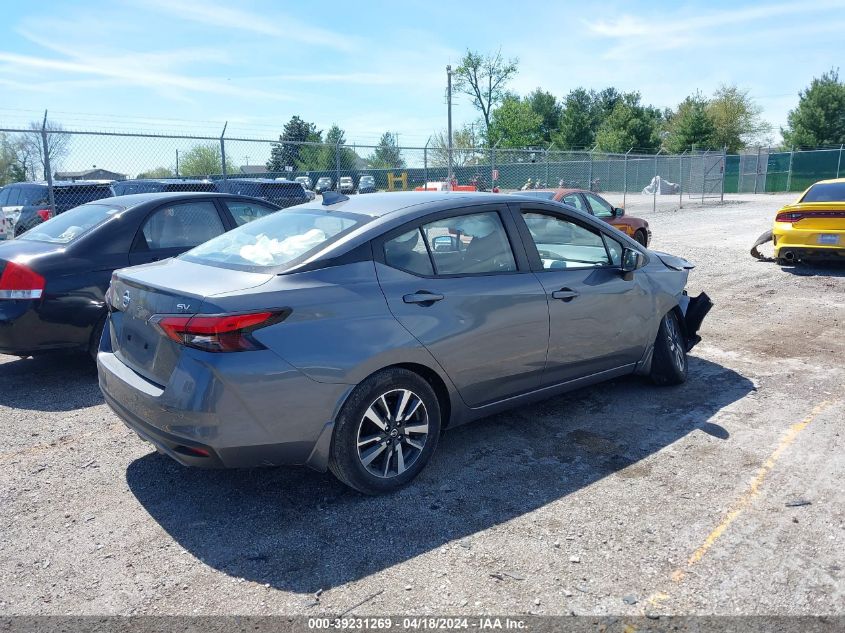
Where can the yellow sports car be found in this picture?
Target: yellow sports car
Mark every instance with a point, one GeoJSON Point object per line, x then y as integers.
{"type": "Point", "coordinates": [813, 226]}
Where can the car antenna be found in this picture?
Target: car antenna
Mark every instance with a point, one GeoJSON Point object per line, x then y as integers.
{"type": "Point", "coordinates": [332, 197]}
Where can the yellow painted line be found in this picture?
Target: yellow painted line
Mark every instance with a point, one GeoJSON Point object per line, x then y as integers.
{"type": "Point", "coordinates": [742, 503]}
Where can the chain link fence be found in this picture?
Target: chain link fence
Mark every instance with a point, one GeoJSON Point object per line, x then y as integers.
{"type": "Point", "coordinates": [76, 166]}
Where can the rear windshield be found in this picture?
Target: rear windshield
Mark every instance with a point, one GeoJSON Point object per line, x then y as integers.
{"type": "Point", "coordinates": [71, 225]}
{"type": "Point", "coordinates": [269, 190]}
{"type": "Point", "coordinates": [280, 240]}
{"type": "Point", "coordinates": [826, 192]}
{"type": "Point", "coordinates": [69, 197]}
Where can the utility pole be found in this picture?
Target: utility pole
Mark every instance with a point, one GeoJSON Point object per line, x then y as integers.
{"type": "Point", "coordinates": [449, 127]}
{"type": "Point", "coordinates": [177, 163]}
{"type": "Point", "coordinates": [48, 172]}
{"type": "Point", "coordinates": [223, 150]}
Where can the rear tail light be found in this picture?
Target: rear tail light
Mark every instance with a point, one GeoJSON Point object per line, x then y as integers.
{"type": "Point", "coordinates": [794, 216]}
{"type": "Point", "coordinates": [19, 282]}
{"type": "Point", "coordinates": [218, 332]}
{"type": "Point", "coordinates": [44, 214]}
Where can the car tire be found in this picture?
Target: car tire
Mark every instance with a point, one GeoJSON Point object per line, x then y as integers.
{"type": "Point", "coordinates": [376, 451]}
{"type": "Point", "coordinates": [641, 238]}
{"type": "Point", "coordinates": [669, 364]}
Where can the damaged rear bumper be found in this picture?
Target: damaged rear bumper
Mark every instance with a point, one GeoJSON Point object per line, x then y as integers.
{"type": "Point", "coordinates": [694, 310]}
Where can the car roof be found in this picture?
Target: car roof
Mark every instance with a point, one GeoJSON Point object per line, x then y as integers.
{"type": "Point", "coordinates": [62, 183]}
{"type": "Point", "coordinates": [134, 199]}
{"type": "Point", "coordinates": [386, 203]}
{"type": "Point", "coordinates": [831, 181]}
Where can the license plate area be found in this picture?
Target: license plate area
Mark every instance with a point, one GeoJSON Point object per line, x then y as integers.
{"type": "Point", "coordinates": [828, 239]}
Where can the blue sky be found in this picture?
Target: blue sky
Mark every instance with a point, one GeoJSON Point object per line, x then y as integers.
{"type": "Point", "coordinates": [189, 65]}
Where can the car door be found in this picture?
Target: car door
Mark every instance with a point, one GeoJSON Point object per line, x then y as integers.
{"type": "Point", "coordinates": [598, 319]}
{"type": "Point", "coordinates": [456, 283]}
{"type": "Point", "coordinates": [174, 228]}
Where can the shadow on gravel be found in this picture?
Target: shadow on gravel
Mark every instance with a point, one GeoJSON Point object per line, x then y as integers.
{"type": "Point", "coordinates": [816, 269]}
{"type": "Point", "coordinates": [301, 531]}
{"type": "Point", "coordinates": [52, 382]}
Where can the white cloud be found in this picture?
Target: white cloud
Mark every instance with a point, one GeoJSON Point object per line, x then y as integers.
{"type": "Point", "coordinates": [150, 69]}
{"type": "Point", "coordinates": [274, 25]}
{"type": "Point", "coordinates": [661, 32]}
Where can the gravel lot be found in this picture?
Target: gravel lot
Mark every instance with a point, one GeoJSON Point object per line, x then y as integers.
{"type": "Point", "coordinates": [722, 496]}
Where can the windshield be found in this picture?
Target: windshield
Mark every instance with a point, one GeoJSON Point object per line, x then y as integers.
{"type": "Point", "coordinates": [71, 225]}
{"type": "Point", "coordinates": [280, 239]}
{"type": "Point", "coordinates": [826, 192]}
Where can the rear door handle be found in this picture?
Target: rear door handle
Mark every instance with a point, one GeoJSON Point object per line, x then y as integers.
{"type": "Point", "coordinates": [423, 298]}
{"type": "Point", "coordinates": [565, 294]}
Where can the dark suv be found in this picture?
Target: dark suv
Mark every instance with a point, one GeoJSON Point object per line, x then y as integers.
{"type": "Point", "coordinates": [284, 193]}
{"type": "Point", "coordinates": [27, 204]}
{"type": "Point", "coordinates": [155, 185]}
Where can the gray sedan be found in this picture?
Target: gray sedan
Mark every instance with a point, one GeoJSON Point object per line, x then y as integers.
{"type": "Point", "coordinates": [346, 335]}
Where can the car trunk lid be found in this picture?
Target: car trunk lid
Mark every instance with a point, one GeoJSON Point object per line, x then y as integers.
{"type": "Point", "coordinates": [172, 287]}
{"type": "Point", "coordinates": [821, 216]}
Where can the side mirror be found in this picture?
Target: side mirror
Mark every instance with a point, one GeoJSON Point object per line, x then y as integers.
{"type": "Point", "coordinates": [631, 261]}
{"type": "Point", "coordinates": [618, 212]}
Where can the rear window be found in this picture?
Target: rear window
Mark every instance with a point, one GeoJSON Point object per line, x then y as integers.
{"type": "Point", "coordinates": [268, 190]}
{"type": "Point", "coordinates": [190, 186]}
{"type": "Point", "coordinates": [71, 225]}
{"type": "Point", "coordinates": [69, 197]}
{"type": "Point", "coordinates": [826, 192]}
{"type": "Point", "coordinates": [127, 188]}
{"type": "Point", "coordinates": [34, 195]}
{"type": "Point", "coordinates": [280, 240]}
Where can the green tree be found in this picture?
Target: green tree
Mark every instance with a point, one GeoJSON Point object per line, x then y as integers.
{"type": "Point", "coordinates": [515, 124]}
{"type": "Point", "coordinates": [157, 172]}
{"type": "Point", "coordinates": [289, 152]}
{"type": "Point", "coordinates": [629, 124]}
{"type": "Point", "coordinates": [690, 125]}
{"type": "Point", "coordinates": [819, 118]}
{"type": "Point", "coordinates": [387, 154]}
{"type": "Point", "coordinates": [577, 125]}
{"type": "Point", "coordinates": [11, 167]}
{"type": "Point", "coordinates": [335, 141]}
{"type": "Point", "coordinates": [546, 105]}
{"type": "Point", "coordinates": [203, 160]}
{"type": "Point", "coordinates": [484, 78]}
{"type": "Point", "coordinates": [736, 119]}
{"type": "Point", "coordinates": [604, 102]}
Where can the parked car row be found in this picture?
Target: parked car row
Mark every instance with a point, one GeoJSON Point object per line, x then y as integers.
{"type": "Point", "coordinates": [343, 334]}
{"type": "Point", "coordinates": [346, 184]}
{"type": "Point", "coordinates": [24, 205]}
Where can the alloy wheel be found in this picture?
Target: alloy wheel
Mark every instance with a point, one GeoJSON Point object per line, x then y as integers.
{"type": "Point", "coordinates": [392, 433]}
{"type": "Point", "coordinates": [676, 342]}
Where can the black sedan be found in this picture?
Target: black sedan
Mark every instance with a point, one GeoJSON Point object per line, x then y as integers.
{"type": "Point", "coordinates": [53, 278]}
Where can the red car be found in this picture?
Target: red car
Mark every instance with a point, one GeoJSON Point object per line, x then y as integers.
{"type": "Point", "coordinates": [594, 204]}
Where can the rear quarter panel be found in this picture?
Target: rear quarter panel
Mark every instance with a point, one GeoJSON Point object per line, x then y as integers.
{"type": "Point", "coordinates": [340, 329]}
